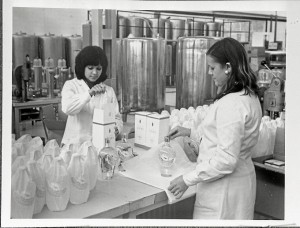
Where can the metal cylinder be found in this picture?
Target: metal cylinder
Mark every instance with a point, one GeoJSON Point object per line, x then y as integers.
{"type": "Point", "coordinates": [193, 84]}
{"type": "Point", "coordinates": [178, 28]}
{"type": "Point", "coordinates": [73, 47]}
{"type": "Point", "coordinates": [123, 27]}
{"type": "Point", "coordinates": [141, 74]}
{"type": "Point", "coordinates": [37, 72]}
{"type": "Point", "coordinates": [147, 28]}
{"type": "Point", "coordinates": [136, 26]}
{"type": "Point", "coordinates": [214, 29]}
{"type": "Point", "coordinates": [158, 27]}
{"type": "Point", "coordinates": [168, 30]}
{"type": "Point", "coordinates": [51, 46]}
{"type": "Point", "coordinates": [197, 28]}
{"type": "Point", "coordinates": [87, 34]}
{"type": "Point", "coordinates": [23, 45]}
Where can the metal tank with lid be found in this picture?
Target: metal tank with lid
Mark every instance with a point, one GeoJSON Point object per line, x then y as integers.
{"type": "Point", "coordinates": [193, 84]}
{"type": "Point", "coordinates": [141, 74]}
{"type": "Point", "coordinates": [73, 47]}
{"type": "Point", "coordinates": [51, 46]}
{"type": "Point", "coordinates": [24, 44]}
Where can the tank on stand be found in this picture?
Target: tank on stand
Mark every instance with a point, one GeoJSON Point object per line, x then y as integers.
{"type": "Point", "coordinates": [141, 74]}
{"type": "Point", "coordinates": [193, 84]}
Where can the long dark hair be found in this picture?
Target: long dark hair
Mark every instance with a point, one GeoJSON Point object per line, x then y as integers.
{"type": "Point", "coordinates": [229, 50]}
{"type": "Point", "coordinates": [91, 55]}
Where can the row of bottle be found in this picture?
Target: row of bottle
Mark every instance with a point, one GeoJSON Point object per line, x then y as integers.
{"type": "Point", "coordinates": [54, 176]}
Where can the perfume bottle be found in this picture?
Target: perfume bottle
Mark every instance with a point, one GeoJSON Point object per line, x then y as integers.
{"type": "Point", "coordinates": [166, 155]}
{"type": "Point", "coordinates": [109, 160]}
{"type": "Point", "coordinates": [125, 151]}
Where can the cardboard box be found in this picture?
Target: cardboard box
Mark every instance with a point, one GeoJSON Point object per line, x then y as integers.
{"type": "Point", "coordinates": [104, 115]}
{"type": "Point", "coordinates": [141, 127]}
{"type": "Point", "coordinates": [157, 129]}
{"type": "Point", "coordinates": [102, 131]}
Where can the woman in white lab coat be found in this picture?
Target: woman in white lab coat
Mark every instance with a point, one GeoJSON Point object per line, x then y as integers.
{"type": "Point", "coordinates": [225, 174]}
{"type": "Point", "coordinates": [85, 92]}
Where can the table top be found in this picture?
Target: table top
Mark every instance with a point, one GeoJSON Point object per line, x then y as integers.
{"type": "Point", "coordinates": [112, 198]}
{"type": "Point", "coordinates": [36, 102]}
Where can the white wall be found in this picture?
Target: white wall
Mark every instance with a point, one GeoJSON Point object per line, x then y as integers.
{"type": "Point", "coordinates": [39, 21]}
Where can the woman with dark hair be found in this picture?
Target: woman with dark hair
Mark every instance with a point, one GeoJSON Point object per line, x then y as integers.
{"type": "Point", "coordinates": [225, 174]}
{"type": "Point", "coordinates": [85, 92]}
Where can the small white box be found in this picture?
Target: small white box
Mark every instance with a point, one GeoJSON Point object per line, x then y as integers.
{"type": "Point", "coordinates": [157, 129]}
{"type": "Point", "coordinates": [140, 127]}
{"type": "Point", "coordinates": [102, 131]}
{"type": "Point", "coordinates": [104, 115]}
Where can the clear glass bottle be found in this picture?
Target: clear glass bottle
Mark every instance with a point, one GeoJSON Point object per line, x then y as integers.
{"type": "Point", "coordinates": [167, 156]}
{"type": "Point", "coordinates": [109, 160]}
{"type": "Point", "coordinates": [125, 151]}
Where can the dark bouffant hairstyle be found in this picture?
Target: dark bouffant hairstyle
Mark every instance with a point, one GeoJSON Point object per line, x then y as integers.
{"type": "Point", "coordinates": [91, 55]}
{"type": "Point", "coordinates": [229, 50]}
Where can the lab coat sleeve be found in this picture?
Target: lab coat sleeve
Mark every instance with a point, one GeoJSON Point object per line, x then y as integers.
{"type": "Point", "coordinates": [230, 124]}
{"type": "Point", "coordinates": [73, 102]}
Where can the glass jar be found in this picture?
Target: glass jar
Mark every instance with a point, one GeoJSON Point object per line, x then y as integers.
{"type": "Point", "coordinates": [109, 160]}
{"type": "Point", "coordinates": [166, 155]}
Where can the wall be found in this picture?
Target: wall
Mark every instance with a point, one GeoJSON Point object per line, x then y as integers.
{"type": "Point", "coordinates": [39, 21]}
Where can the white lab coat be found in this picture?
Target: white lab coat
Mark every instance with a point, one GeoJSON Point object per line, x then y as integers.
{"type": "Point", "coordinates": [79, 106]}
{"type": "Point", "coordinates": [225, 174]}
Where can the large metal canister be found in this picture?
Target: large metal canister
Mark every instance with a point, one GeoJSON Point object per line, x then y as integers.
{"type": "Point", "coordinates": [87, 34]}
{"type": "Point", "coordinates": [214, 29]}
{"type": "Point", "coordinates": [147, 28]}
{"type": "Point", "coordinates": [197, 28]}
{"type": "Point", "coordinates": [73, 47]}
{"type": "Point", "coordinates": [158, 27]}
{"type": "Point", "coordinates": [168, 30]}
{"type": "Point", "coordinates": [193, 84]}
{"type": "Point", "coordinates": [178, 28]}
{"type": "Point", "coordinates": [136, 26]}
{"type": "Point", "coordinates": [141, 73]}
{"type": "Point", "coordinates": [23, 45]}
{"type": "Point", "coordinates": [123, 27]}
{"type": "Point", "coordinates": [51, 46]}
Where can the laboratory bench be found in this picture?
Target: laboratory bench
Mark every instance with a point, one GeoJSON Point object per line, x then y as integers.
{"type": "Point", "coordinates": [17, 113]}
{"type": "Point", "coordinates": [123, 197]}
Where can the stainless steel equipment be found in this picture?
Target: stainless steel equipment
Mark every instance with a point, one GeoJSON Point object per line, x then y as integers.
{"type": "Point", "coordinates": [87, 34]}
{"type": "Point", "coordinates": [197, 28]}
{"type": "Point", "coordinates": [141, 74]}
{"type": "Point", "coordinates": [168, 30]}
{"type": "Point", "coordinates": [214, 29]}
{"type": "Point", "coordinates": [158, 27]}
{"type": "Point", "coordinates": [23, 44]}
{"type": "Point", "coordinates": [136, 26]}
{"type": "Point", "coordinates": [193, 84]}
{"type": "Point", "coordinates": [73, 47]}
{"type": "Point", "coordinates": [123, 27]}
{"type": "Point", "coordinates": [51, 46]}
{"type": "Point", "coordinates": [178, 28]}
{"type": "Point", "coordinates": [38, 77]}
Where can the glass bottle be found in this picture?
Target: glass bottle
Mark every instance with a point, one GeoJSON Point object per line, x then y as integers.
{"type": "Point", "coordinates": [166, 155]}
{"type": "Point", "coordinates": [125, 151]}
{"type": "Point", "coordinates": [109, 160]}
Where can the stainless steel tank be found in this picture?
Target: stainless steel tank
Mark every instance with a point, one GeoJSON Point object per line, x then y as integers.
{"type": "Point", "coordinates": [197, 28]}
{"type": "Point", "coordinates": [24, 44]}
{"type": "Point", "coordinates": [73, 47]}
{"type": "Point", "coordinates": [178, 28]}
{"type": "Point", "coordinates": [158, 27]}
{"type": "Point", "coordinates": [141, 74]}
{"type": "Point", "coordinates": [51, 46]}
{"type": "Point", "coordinates": [136, 26]}
{"type": "Point", "coordinates": [214, 29]}
{"type": "Point", "coordinates": [193, 84]}
{"type": "Point", "coordinates": [168, 30]}
{"type": "Point", "coordinates": [123, 27]}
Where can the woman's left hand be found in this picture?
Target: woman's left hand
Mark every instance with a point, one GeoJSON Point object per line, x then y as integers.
{"type": "Point", "coordinates": [178, 187]}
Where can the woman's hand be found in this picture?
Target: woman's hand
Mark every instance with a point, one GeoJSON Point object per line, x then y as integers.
{"type": "Point", "coordinates": [179, 131]}
{"type": "Point", "coordinates": [178, 187]}
{"type": "Point", "coordinates": [97, 89]}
